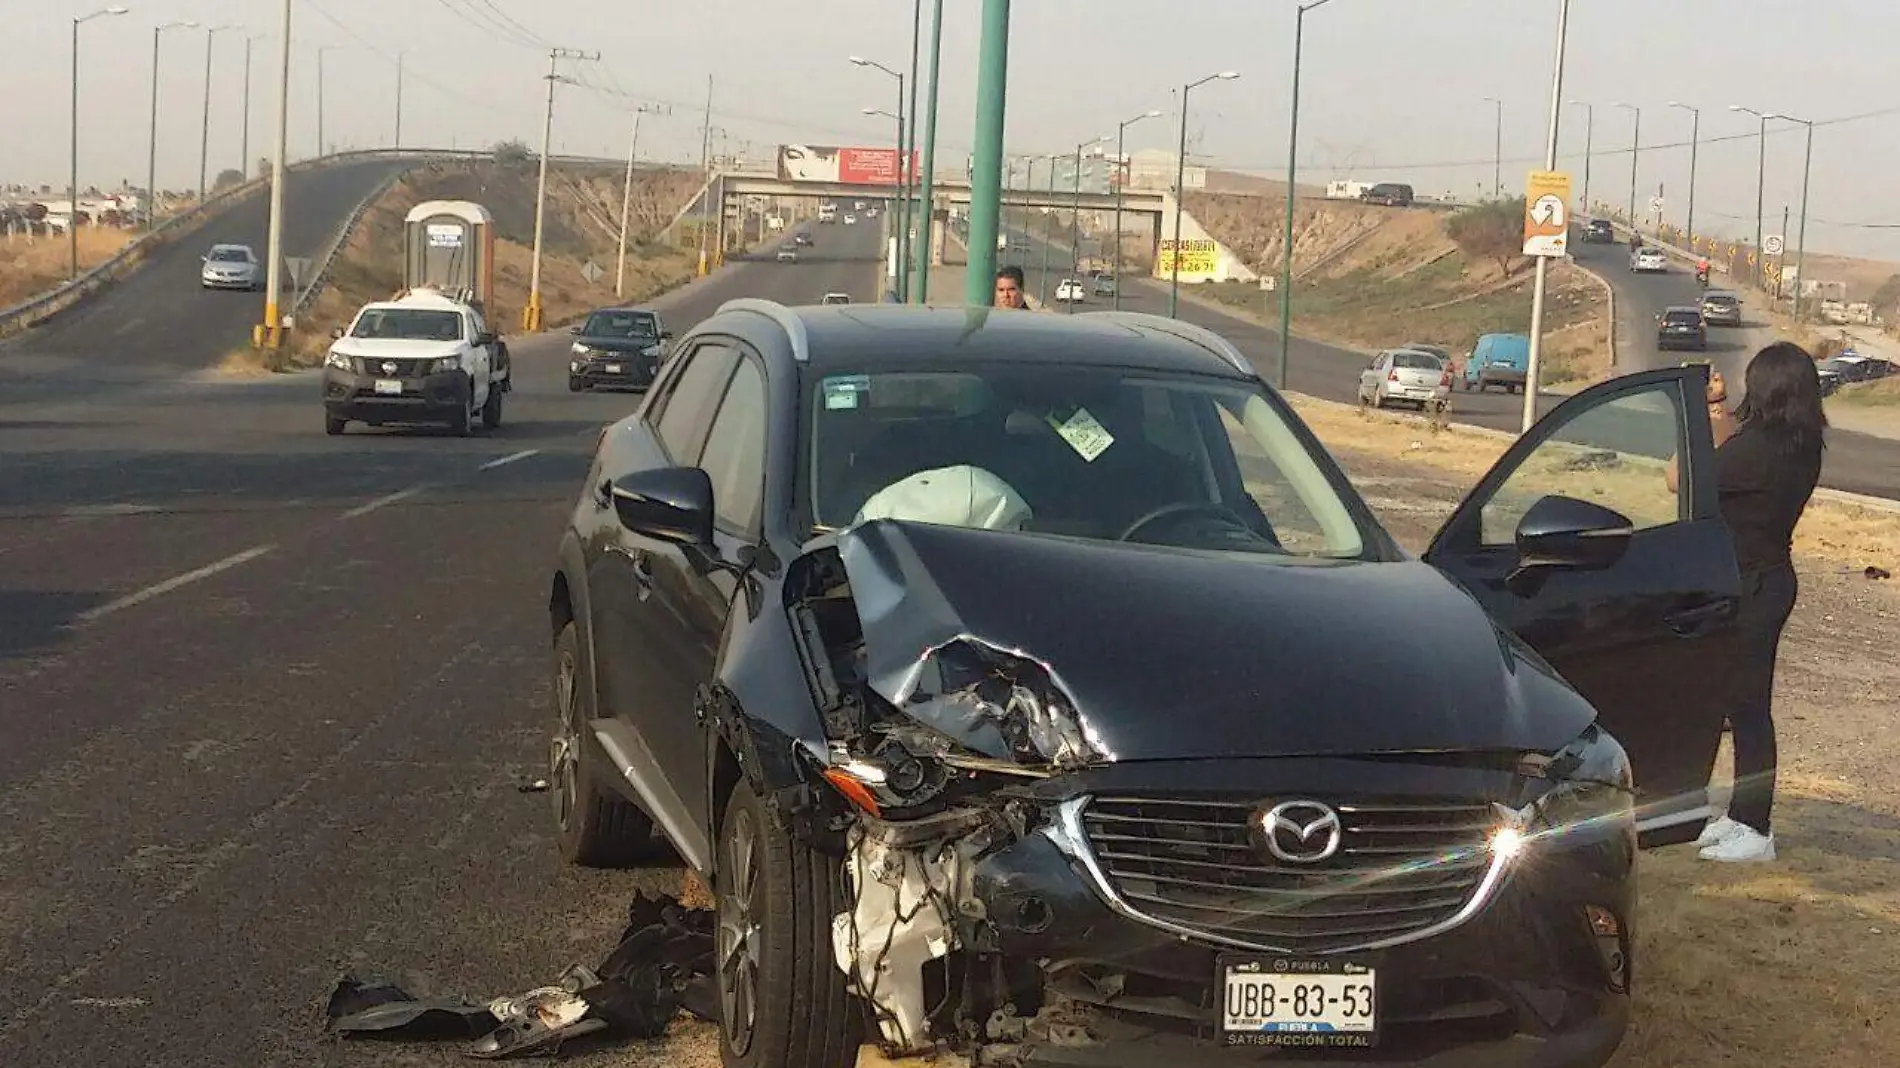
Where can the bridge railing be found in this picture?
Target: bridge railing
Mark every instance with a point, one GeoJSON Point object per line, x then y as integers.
{"type": "Point", "coordinates": [31, 312]}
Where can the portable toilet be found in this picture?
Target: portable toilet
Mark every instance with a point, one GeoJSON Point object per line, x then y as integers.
{"type": "Point", "coordinates": [449, 246]}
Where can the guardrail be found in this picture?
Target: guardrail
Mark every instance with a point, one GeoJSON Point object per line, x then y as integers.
{"type": "Point", "coordinates": [30, 313]}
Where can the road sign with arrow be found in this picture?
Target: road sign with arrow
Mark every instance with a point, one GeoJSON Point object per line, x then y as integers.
{"type": "Point", "coordinates": [1546, 216]}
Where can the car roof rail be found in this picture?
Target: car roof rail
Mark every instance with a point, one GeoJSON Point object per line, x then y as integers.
{"type": "Point", "coordinates": [787, 320]}
{"type": "Point", "coordinates": [1199, 335]}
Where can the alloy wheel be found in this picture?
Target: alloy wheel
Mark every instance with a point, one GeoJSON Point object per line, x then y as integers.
{"type": "Point", "coordinates": [739, 935]}
{"type": "Point", "coordinates": [564, 750]}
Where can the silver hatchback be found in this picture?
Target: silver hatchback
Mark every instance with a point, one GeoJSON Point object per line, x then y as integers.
{"type": "Point", "coordinates": [231, 267]}
{"type": "Point", "coordinates": [1406, 375]}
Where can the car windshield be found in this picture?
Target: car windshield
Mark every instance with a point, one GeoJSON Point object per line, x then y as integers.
{"type": "Point", "coordinates": [1096, 453]}
{"type": "Point", "coordinates": [1415, 361]}
{"type": "Point", "coordinates": [230, 255]}
{"type": "Point", "coordinates": [619, 324]}
{"type": "Point", "coordinates": [408, 324]}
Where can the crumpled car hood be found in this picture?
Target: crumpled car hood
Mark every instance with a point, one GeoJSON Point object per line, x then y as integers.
{"type": "Point", "coordinates": [1178, 655]}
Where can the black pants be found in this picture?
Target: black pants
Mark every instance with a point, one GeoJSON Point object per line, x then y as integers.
{"type": "Point", "coordinates": [1767, 599]}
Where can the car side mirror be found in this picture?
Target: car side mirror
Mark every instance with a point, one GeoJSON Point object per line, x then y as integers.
{"type": "Point", "coordinates": [670, 504]}
{"type": "Point", "coordinates": [486, 339]}
{"type": "Point", "coordinates": [336, 333]}
{"type": "Point", "coordinates": [666, 335]}
{"type": "Point", "coordinates": [575, 329]}
{"type": "Point", "coordinates": [1568, 534]}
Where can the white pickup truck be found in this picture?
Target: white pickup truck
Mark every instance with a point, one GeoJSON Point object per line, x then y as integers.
{"type": "Point", "coordinates": [421, 358]}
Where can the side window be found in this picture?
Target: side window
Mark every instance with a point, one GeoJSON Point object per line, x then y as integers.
{"type": "Point", "coordinates": [735, 451]}
{"type": "Point", "coordinates": [1273, 489]}
{"type": "Point", "coordinates": [688, 409]}
{"type": "Point", "coordinates": [471, 329]}
{"type": "Point", "coordinates": [1613, 454]}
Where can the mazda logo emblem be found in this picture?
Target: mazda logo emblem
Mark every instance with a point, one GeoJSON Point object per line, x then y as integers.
{"type": "Point", "coordinates": [1301, 832]}
{"type": "Point", "coordinates": [389, 368]}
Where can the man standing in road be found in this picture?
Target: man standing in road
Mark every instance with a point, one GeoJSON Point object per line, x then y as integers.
{"type": "Point", "coordinates": [1009, 288]}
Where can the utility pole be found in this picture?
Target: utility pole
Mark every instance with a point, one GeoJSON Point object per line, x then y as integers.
{"type": "Point", "coordinates": [1761, 173]}
{"type": "Point", "coordinates": [1497, 150]}
{"type": "Point", "coordinates": [1121, 179]}
{"type": "Point", "coordinates": [930, 157]}
{"type": "Point", "coordinates": [705, 166]}
{"type": "Point", "coordinates": [1801, 241]}
{"type": "Point", "coordinates": [1695, 141]}
{"type": "Point", "coordinates": [1636, 148]}
{"type": "Point", "coordinates": [1048, 217]}
{"type": "Point", "coordinates": [1539, 285]}
{"type": "Point", "coordinates": [986, 162]}
{"type": "Point", "coordinates": [531, 315]}
{"type": "Point", "coordinates": [270, 333]}
{"type": "Point", "coordinates": [1292, 164]}
{"type": "Point", "coordinates": [626, 198]}
{"type": "Point", "coordinates": [151, 151]}
{"type": "Point", "coordinates": [1589, 134]}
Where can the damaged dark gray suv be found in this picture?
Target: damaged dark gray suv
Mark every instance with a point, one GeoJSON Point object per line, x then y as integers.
{"type": "Point", "coordinates": [1037, 689]}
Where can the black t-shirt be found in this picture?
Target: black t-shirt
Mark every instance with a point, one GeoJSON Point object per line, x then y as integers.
{"type": "Point", "coordinates": [1764, 482]}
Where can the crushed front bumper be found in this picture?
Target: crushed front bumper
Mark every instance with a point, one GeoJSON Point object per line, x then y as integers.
{"type": "Point", "coordinates": [433, 398]}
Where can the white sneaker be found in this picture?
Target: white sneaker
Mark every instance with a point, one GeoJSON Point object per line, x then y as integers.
{"type": "Point", "coordinates": [1742, 846]}
{"type": "Point", "coordinates": [1717, 829]}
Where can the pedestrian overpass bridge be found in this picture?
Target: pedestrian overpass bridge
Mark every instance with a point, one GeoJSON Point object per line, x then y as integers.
{"type": "Point", "coordinates": [1136, 201]}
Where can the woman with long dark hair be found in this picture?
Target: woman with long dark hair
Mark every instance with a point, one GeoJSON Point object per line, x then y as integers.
{"type": "Point", "coordinates": [1768, 459]}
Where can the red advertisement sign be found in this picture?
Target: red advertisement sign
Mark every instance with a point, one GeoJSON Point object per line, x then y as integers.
{"type": "Point", "coordinates": [831, 163]}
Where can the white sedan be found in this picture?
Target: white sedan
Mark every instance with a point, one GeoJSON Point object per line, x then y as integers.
{"type": "Point", "coordinates": [1649, 259]}
{"type": "Point", "coordinates": [1070, 291]}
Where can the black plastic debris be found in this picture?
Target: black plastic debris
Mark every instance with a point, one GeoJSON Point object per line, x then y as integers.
{"type": "Point", "coordinates": [663, 964]}
{"type": "Point", "coordinates": [1873, 572]}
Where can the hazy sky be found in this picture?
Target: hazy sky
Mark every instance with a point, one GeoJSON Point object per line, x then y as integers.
{"type": "Point", "coordinates": [1392, 89]}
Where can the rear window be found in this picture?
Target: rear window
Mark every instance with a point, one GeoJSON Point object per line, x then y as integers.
{"type": "Point", "coordinates": [1415, 361]}
{"type": "Point", "coordinates": [1685, 317]}
{"type": "Point", "coordinates": [1719, 298]}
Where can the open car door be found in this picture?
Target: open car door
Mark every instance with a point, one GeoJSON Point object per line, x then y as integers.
{"type": "Point", "coordinates": [1575, 542]}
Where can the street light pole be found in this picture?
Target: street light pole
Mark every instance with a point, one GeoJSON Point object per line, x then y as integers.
{"type": "Point", "coordinates": [204, 129]}
{"type": "Point", "coordinates": [930, 157]}
{"type": "Point", "coordinates": [151, 149]}
{"type": "Point", "coordinates": [1540, 283]}
{"type": "Point", "coordinates": [1121, 179]}
{"type": "Point", "coordinates": [1497, 150]}
{"type": "Point", "coordinates": [1801, 241]}
{"type": "Point", "coordinates": [397, 143]}
{"type": "Point", "coordinates": [1695, 141]}
{"type": "Point", "coordinates": [1761, 173]}
{"type": "Point", "coordinates": [72, 190]}
{"type": "Point", "coordinates": [1075, 212]}
{"type": "Point", "coordinates": [270, 333]}
{"type": "Point", "coordinates": [898, 175]}
{"type": "Point", "coordinates": [1180, 188]}
{"type": "Point", "coordinates": [1636, 148]}
{"type": "Point", "coordinates": [1292, 170]}
{"type": "Point", "coordinates": [1042, 285]}
{"type": "Point", "coordinates": [1589, 149]}
{"type": "Point", "coordinates": [322, 50]}
{"type": "Point", "coordinates": [244, 128]}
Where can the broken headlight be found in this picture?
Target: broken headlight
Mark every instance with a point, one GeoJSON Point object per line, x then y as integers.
{"type": "Point", "coordinates": [999, 703]}
{"type": "Point", "coordinates": [1592, 786]}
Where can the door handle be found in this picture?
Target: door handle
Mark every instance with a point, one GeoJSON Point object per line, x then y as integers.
{"type": "Point", "coordinates": [604, 493]}
{"type": "Point", "coordinates": [1698, 620]}
{"type": "Point", "coordinates": [643, 573]}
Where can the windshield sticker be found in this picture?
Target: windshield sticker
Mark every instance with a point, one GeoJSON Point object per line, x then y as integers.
{"type": "Point", "coordinates": [1084, 434]}
{"type": "Point", "coordinates": [841, 391]}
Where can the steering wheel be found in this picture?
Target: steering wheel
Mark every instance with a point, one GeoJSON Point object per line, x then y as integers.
{"type": "Point", "coordinates": [1182, 509]}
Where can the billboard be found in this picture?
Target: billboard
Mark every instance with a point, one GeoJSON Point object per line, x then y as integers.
{"type": "Point", "coordinates": [1200, 261]}
{"type": "Point", "coordinates": [831, 163]}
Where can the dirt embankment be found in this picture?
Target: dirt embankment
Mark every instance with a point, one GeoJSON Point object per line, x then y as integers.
{"type": "Point", "coordinates": [582, 225]}
{"type": "Point", "coordinates": [1369, 277]}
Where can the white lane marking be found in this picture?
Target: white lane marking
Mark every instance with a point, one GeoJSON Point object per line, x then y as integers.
{"type": "Point", "coordinates": [109, 1003]}
{"type": "Point", "coordinates": [129, 326]}
{"type": "Point", "coordinates": [522, 455]}
{"type": "Point", "coordinates": [132, 599]}
{"type": "Point", "coordinates": [365, 509]}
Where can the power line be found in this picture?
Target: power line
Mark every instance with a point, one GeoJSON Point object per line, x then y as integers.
{"type": "Point", "coordinates": [409, 73]}
{"type": "Point", "coordinates": [488, 23]}
{"type": "Point", "coordinates": [509, 20]}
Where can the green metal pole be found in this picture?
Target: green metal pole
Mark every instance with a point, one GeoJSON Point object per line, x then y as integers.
{"type": "Point", "coordinates": [1801, 242]}
{"type": "Point", "coordinates": [1121, 176]}
{"type": "Point", "coordinates": [1048, 227]}
{"type": "Point", "coordinates": [1180, 189]}
{"type": "Point", "coordinates": [986, 168]}
{"type": "Point", "coordinates": [1286, 238]}
{"type": "Point", "coordinates": [930, 157]}
{"type": "Point", "coordinates": [910, 150]}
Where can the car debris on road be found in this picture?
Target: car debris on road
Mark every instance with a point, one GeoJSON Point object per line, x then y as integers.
{"type": "Point", "coordinates": [662, 964]}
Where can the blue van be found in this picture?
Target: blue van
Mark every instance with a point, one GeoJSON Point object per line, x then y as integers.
{"type": "Point", "coordinates": [1498, 360]}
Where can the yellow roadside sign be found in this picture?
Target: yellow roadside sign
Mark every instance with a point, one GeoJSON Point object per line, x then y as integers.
{"type": "Point", "coordinates": [1547, 213]}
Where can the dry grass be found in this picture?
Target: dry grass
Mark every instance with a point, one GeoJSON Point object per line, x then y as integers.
{"type": "Point", "coordinates": [1783, 964]}
{"type": "Point", "coordinates": [1882, 394]}
{"type": "Point", "coordinates": [30, 266]}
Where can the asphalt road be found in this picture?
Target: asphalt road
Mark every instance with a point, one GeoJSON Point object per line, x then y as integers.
{"type": "Point", "coordinates": [268, 696]}
{"type": "Point", "coordinates": [1856, 463]}
{"type": "Point", "coordinates": [159, 315]}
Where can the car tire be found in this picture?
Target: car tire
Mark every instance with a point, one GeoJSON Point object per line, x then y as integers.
{"type": "Point", "coordinates": [594, 827]}
{"type": "Point", "coordinates": [767, 886]}
{"type": "Point", "coordinates": [334, 426]}
{"type": "Point", "coordinates": [575, 385]}
{"type": "Point", "coordinates": [491, 409]}
{"type": "Point", "coordinates": [461, 424]}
